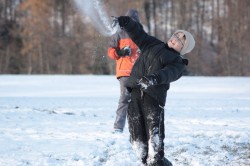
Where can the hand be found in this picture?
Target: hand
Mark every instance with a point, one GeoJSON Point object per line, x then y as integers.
{"type": "Point", "coordinates": [123, 20]}
{"type": "Point", "coordinates": [125, 51]}
{"type": "Point", "coordinates": [147, 81]}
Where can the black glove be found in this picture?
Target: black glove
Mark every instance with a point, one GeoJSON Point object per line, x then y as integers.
{"type": "Point", "coordinates": [147, 81]}
{"type": "Point", "coordinates": [123, 20]}
{"type": "Point", "coordinates": [125, 51]}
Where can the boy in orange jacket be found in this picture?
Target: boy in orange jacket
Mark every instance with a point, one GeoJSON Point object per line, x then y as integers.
{"type": "Point", "coordinates": [125, 52]}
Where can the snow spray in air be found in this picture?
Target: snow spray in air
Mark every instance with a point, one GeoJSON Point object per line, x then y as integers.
{"type": "Point", "coordinates": [96, 15]}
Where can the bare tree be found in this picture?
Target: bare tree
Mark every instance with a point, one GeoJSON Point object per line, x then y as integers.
{"type": "Point", "coordinates": [50, 36]}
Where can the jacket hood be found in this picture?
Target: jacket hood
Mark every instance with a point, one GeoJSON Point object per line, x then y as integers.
{"type": "Point", "coordinates": [133, 14]}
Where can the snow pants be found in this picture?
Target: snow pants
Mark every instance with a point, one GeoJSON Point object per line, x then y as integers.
{"type": "Point", "coordinates": [146, 127]}
{"type": "Point", "coordinates": [121, 112]}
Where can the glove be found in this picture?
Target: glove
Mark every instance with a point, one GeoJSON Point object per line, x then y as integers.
{"type": "Point", "coordinates": [125, 51]}
{"type": "Point", "coordinates": [147, 81]}
{"type": "Point", "coordinates": [123, 20]}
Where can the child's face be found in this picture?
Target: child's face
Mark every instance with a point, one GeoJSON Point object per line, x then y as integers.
{"type": "Point", "coordinates": [176, 42]}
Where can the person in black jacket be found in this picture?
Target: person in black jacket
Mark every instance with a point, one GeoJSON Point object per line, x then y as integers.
{"type": "Point", "coordinates": [158, 65]}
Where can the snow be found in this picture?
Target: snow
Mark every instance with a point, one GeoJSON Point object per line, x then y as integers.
{"type": "Point", "coordinates": [67, 120]}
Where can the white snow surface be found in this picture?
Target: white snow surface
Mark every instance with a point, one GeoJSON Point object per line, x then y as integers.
{"type": "Point", "coordinates": [63, 120]}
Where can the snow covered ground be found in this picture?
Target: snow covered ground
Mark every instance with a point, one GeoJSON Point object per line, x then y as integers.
{"type": "Point", "coordinates": [67, 120]}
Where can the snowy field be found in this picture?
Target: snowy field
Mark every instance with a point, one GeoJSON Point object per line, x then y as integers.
{"type": "Point", "coordinates": [68, 120]}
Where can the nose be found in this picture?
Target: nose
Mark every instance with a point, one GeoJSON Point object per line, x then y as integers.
{"type": "Point", "coordinates": [173, 40]}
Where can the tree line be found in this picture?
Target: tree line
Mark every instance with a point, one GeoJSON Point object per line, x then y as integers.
{"type": "Point", "coordinates": [51, 36]}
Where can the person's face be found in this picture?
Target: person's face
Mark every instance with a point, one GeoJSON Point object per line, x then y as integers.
{"type": "Point", "coordinates": [176, 42]}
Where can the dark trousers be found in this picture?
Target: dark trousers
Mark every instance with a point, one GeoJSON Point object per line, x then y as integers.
{"type": "Point", "coordinates": [146, 127]}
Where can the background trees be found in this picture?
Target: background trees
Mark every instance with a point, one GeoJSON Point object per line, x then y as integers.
{"type": "Point", "coordinates": [52, 37]}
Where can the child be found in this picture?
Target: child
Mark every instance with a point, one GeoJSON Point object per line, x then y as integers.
{"type": "Point", "coordinates": [158, 65]}
{"type": "Point", "coordinates": [125, 52]}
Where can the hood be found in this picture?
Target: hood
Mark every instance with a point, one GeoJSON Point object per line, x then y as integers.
{"type": "Point", "coordinates": [133, 14]}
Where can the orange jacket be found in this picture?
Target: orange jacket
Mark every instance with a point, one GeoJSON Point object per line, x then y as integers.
{"type": "Point", "coordinates": [119, 40]}
{"type": "Point", "coordinates": [125, 64]}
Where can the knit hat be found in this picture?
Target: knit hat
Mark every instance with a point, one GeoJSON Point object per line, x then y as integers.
{"type": "Point", "coordinates": [189, 42]}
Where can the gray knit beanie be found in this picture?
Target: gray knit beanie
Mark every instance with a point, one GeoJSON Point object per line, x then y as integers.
{"type": "Point", "coordinates": [189, 42]}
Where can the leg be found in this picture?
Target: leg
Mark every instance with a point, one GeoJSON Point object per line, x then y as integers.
{"type": "Point", "coordinates": [138, 136]}
{"type": "Point", "coordinates": [155, 130]}
{"type": "Point", "coordinates": [123, 105]}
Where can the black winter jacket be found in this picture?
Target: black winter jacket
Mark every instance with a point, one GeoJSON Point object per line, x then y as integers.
{"type": "Point", "coordinates": [156, 58]}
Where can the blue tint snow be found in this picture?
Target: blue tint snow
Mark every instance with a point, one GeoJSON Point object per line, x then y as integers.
{"type": "Point", "coordinates": [68, 120]}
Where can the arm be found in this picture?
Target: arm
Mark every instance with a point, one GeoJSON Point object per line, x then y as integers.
{"type": "Point", "coordinates": [113, 45]}
{"type": "Point", "coordinates": [136, 32]}
{"type": "Point", "coordinates": [112, 53]}
{"type": "Point", "coordinates": [114, 50]}
{"type": "Point", "coordinates": [171, 72]}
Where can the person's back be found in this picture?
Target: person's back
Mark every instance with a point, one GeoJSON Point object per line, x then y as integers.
{"type": "Point", "coordinates": [125, 52]}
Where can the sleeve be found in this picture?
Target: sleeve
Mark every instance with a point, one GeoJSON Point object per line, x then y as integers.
{"type": "Point", "coordinates": [171, 72]}
{"type": "Point", "coordinates": [138, 35]}
{"type": "Point", "coordinates": [113, 45]}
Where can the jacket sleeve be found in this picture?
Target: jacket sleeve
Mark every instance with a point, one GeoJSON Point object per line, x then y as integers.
{"type": "Point", "coordinates": [138, 35]}
{"type": "Point", "coordinates": [112, 53]}
{"type": "Point", "coordinates": [113, 45]}
{"type": "Point", "coordinates": [171, 72]}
